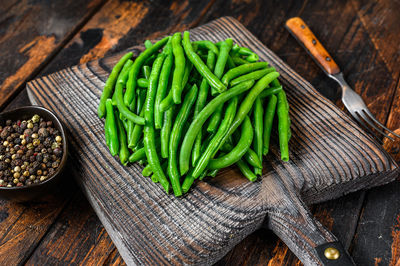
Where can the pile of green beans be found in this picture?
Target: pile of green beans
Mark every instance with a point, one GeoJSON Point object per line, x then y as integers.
{"type": "Point", "coordinates": [185, 109]}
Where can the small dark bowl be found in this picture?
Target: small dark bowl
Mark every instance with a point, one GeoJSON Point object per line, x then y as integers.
{"type": "Point", "coordinates": [27, 193]}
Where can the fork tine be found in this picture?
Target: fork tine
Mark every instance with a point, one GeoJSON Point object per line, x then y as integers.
{"type": "Point", "coordinates": [360, 121]}
{"type": "Point", "coordinates": [378, 123]}
{"type": "Point", "coordinates": [366, 119]}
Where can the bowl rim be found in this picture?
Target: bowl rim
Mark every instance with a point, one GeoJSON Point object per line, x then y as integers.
{"type": "Point", "coordinates": [65, 145]}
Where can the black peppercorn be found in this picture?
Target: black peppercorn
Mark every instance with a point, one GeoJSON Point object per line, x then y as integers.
{"type": "Point", "coordinates": [57, 152]}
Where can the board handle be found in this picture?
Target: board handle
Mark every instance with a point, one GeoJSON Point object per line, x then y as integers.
{"type": "Point", "coordinates": [307, 238]}
{"type": "Point", "coordinates": [299, 29]}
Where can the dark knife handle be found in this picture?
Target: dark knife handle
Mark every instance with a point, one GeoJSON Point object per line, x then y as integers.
{"type": "Point", "coordinates": [299, 29]}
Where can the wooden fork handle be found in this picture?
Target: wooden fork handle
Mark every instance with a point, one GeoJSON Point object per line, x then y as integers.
{"type": "Point", "coordinates": [299, 29]}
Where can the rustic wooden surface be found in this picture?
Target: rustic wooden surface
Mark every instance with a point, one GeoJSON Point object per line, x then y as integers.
{"type": "Point", "coordinates": [362, 37]}
{"type": "Point", "coordinates": [330, 157]}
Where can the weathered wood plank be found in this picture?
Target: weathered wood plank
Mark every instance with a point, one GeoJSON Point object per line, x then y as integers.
{"type": "Point", "coordinates": [315, 185]}
{"type": "Point", "coordinates": [60, 246]}
{"type": "Point", "coordinates": [379, 226]}
{"type": "Point", "coordinates": [31, 33]}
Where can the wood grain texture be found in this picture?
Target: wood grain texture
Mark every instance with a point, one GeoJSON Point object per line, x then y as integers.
{"type": "Point", "coordinates": [300, 30]}
{"type": "Point", "coordinates": [31, 33]}
{"type": "Point", "coordinates": [349, 167]}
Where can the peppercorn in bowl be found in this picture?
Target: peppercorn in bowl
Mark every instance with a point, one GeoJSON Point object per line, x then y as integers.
{"type": "Point", "coordinates": [33, 152]}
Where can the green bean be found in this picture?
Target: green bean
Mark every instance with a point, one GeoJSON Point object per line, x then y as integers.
{"type": "Point", "coordinates": [176, 87]}
{"type": "Point", "coordinates": [238, 151]}
{"type": "Point", "coordinates": [110, 83]}
{"type": "Point", "coordinates": [241, 70]}
{"type": "Point", "coordinates": [283, 125]}
{"type": "Point", "coordinates": [199, 120]}
{"type": "Point", "coordinates": [140, 101]}
{"type": "Point", "coordinates": [204, 174]}
{"type": "Point", "coordinates": [123, 109]}
{"type": "Point", "coordinates": [146, 72]}
{"type": "Point", "coordinates": [219, 71]}
{"type": "Point", "coordinates": [268, 121]}
{"type": "Point", "coordinates": [250, 156]}
{"type": "Point", "coordinates": [207, 45]}
{"type": "Point", "coordinates": [134, 72]}
{"type": "Point", "coordinates": [148, 44]}
{"type": "Point", "coordinates": [213, 173]}
{"type": "Point", "coordinates": [128, 126]}
{"type": "Point", "coordinates": [112, 128]}
{"type": "Point", "coordinates": [149, 131]}
{"type": "Point", "coordinates": [143, 83]}
{"type": "Point", "coordinates": [248, 101]}
{"type": "Point", "coordinates": [244, 168]}
{"type": "Point", "coordinates": [238, 60]}
{"type": "Point", "coordinates": [162, 85]}
{"type": "Point", "coordinates": [166, 131]}
{"type": "Point", "coordinates": [123, 144]}
{"type": "Point", "coordinates": [210, 151]}
{"type": "Point", "coordinates": [122, 78]}
{"type": "Point", "coordinates": [224, 50]}
{"type": "Point", "coordinates": [188, 69]}
{"type": "Point", "coordinates": [137, 155]}
{"type": "Point", "coordinates": [252, 58]}
{"type": "Point", "coordinates": [271, 91]}
{"type": "Point", "coordinates": [230, 62]}
{"type": "Point", "coordinates": [255, 75]}
{"type": "Point", "coordinates": [147, 171]}
{"type": "Point", "coordinates": [187, 182]}
{"type": "Point", "coordinates": [176, 135]}
{"type": "Point", "coordinates": [106, 132]}
{"type": "Point", "coordinates": [258, 131]}
{"type": "Point", "coordinates": [201, 101]}
{"type": "Point", "coordinates": [245, 51]}
{"type": "Point", "coordinates": [200, 66]}
{"type": "Point", "coordinates": [154, 178]}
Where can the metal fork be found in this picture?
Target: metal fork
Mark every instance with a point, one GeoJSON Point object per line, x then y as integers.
{"type": "Point", "coordinates": [351, 100]}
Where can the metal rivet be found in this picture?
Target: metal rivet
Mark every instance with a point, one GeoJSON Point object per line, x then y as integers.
{"type": "Point", "coordinates": [328, 58]}
{"type": "Point", "coordinates": [303, 27]}
{"type": "Point", "coordinates": [332, 253]}
{"type": "Point", "coordinates": [314, 41]}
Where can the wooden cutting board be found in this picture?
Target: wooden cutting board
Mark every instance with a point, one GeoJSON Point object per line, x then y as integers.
{"type": "Point", "coordinates": [330, 156]}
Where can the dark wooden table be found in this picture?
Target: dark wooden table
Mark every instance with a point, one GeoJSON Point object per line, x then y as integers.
{"type": "Point", "coordinates": [40, 37]}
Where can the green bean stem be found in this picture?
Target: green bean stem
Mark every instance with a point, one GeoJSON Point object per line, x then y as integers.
{"type": "Point", "coordinates": [110, 83]}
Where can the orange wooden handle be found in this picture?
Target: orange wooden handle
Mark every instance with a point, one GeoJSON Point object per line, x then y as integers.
{"type": "Point", "coordinates": [299, 29]}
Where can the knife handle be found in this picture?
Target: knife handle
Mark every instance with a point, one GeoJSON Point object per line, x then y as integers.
{"type": "Point", "coordinates": [299, 29]}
